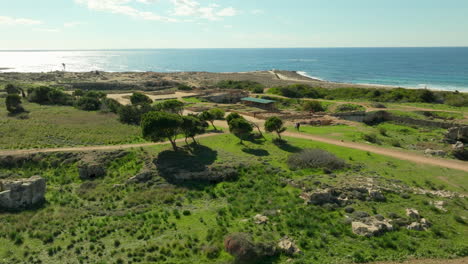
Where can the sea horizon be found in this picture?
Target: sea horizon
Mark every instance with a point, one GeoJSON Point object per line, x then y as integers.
{"type": "Point", "coordinates": [435, 68]}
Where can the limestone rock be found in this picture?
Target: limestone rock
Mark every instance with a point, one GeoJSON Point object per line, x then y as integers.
{"type": "Point", "coordinates": [371, 226]}
{"type": "Point", "coordinates": [438, 153]}
{"type": "Point", "coordinates": [422, 225]}
{"type": "Point", "coordinates": [439, 205]}
{"type": "Point", "coordinates": [288, 246]}
{"type": "Point", "coordinates": [143, 176]}
{"type": "Point", "coordinates": [260, 219]}
{"type": "Point", "coordinates": [455, 134]}
{"type": "Point", "coordinates": [413, 213]}
{"type": "Point", "coordinates": [319, 197]}
{"type": "Point", "coordinates": [458, 145]}
{"type": "Point", "coordinates": [376, 195]}
{"type": "Point", "coordinates": [22, 193]}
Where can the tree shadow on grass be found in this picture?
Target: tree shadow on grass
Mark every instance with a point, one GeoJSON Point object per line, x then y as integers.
{"type": "Point", "coordinates": [256, 152]}
{"type": "Point", "coordinates": [195, 159]}
{"type": "Point", "coordinates": [284, 145]}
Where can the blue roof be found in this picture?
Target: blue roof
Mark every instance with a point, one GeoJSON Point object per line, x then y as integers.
{"type": "Point", "coordinates": [258, 100]}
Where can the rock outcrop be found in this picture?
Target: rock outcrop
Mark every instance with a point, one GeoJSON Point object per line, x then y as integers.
{"type": "Point", "coordinates": [260, 219]}
{"type": "Point", "coordinates": [89, 170]}
{"type": "Point", "coordinates": [455, 134]}
{"type": "Point", "coordinates": [22, 193]}
{"type": "Point", "coordinates": [342, 196]}
{"type": "Point", "coordinates": [288, 246]}
{"type": "Point", "coordinates": [371, 226]}
{"type": "Point", "coordinates": [432, 152]}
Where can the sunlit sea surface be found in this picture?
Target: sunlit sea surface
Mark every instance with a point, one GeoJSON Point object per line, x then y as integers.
{"type": "Point", "coordinates": [434, 68]}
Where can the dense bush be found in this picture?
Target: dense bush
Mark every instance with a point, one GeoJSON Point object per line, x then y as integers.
{"type": "Point", "coordinates": [88, 103]}
{"type": "Point", "coordinates": [254, 87]}
{"type": "Point", "coordinates": [315, 159]}
{"type": "Point", "coordinates": [131, 114]}
{"type": "Point", "coordinates": [11, 89]}
{"type": "Point", "coordinates": [184, 87]}
{"type": "Point", "coordinates": [171, 106]}
{"type": "Point", "coordinates": [140, 98]}
{"type": "Point", "coordinates": [48, 95]}
{"type": "Point", "coordinates": [371, 137]}
{"type": "Point", "coordinates": [245, 250]}
{"type": "Point", "coordinates": [374, 94]}
{"type": "Point", "coordinates": [314, 106]}
{"type": "Point", "coordinates": [349, 108]}
{"type": "Point", "coordinates": [13, 104]}
{"type": "Point", "coordinates": [110, 105]}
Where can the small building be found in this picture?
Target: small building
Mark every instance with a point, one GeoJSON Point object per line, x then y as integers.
{"type": "Point", "coordinates": [260, 103]}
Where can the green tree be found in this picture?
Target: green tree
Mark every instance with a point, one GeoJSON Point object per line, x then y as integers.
{"type": "Point", "coordinates": [171, 106]}
{"type": "Point", "coordinates": [275, 124]}
{"type": "Point", "coordinates": [13, 104]}
{"type": "Point", "coordinates": [241, 128]}
{"type": "Point", "coordinates": [129, 114]}
{"type": "Point", "coordinates": [212, 115]}
{"type": "Point", "coordinates": [232, 116]}
{"type": "Point", "coordinates": [140, 98]}
{"type": "Point", "coordinates": [192, 126]}
{"type": "Point", "coordinates": [158, 126]}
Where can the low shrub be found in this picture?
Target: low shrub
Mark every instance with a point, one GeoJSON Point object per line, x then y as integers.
{"type": "Point", "coordinates": [349, 108]}
{"type": "Point", "coordinates": [371, 137]}
{"type": "Point", "coordinates": [378, 105]}
{"type": "Point", "coordinates": [315, 159]}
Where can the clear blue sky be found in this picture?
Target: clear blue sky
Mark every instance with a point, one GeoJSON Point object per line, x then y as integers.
{"type": "Point", "coordinates": [112, 24]}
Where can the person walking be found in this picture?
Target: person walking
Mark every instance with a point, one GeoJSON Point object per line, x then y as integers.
{"type": "Point", "coordinates": [298, 126]}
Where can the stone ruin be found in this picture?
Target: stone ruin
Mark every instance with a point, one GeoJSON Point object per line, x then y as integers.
{"type": "Point", "coordinates": [22, 193]}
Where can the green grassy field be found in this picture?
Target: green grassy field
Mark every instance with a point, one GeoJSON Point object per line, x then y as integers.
{"type": "Point", "coordinates": [109, 221]}
{"type": "Point", "coordinates": [62, 126]}
{"type": "Point", "coordinates": [386, 134]}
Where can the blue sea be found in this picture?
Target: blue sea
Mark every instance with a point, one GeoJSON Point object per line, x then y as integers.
{"type": "Point", "coordinates": [434, 68]}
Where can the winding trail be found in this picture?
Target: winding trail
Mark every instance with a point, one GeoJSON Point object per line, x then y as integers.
{"type": "Point", "coordinates": [16, 152]}
{"type": "Point", "coordinates": [402, 155]}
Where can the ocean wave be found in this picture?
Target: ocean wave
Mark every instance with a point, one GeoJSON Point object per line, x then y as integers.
{"type": "Point", "coordinates": [303, 73]}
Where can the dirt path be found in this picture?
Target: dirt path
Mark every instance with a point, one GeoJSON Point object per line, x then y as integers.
{"type": "Point", "coordinates": [403, 155]}
{"type": "Point", "coordinates": [16, 152]}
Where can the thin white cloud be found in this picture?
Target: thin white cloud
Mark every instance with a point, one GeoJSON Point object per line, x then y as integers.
{"type": "Point", "coordinates": [122, 7]}
{"type": "Point", "coordinates": [195, 9]}
{"type": "Point", "coordinates": [5, 20]}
